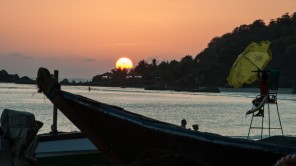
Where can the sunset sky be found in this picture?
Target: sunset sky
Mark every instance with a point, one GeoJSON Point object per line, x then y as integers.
{"type": "Point", "coordinates": [83, 38]}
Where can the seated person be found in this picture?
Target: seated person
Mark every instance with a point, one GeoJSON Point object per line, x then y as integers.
{"type": "Point", "coordinates": [263, 85]}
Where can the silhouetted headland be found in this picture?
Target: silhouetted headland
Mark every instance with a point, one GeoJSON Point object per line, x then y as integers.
{"type": "Point", "coordinates": [5, 77]}
{"type": "Point", "coordinates": [14, 78]}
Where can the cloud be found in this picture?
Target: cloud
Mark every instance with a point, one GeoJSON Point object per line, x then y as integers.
{"type": "Point", "coordinates": [89, 60]}
{"type": "Point", "coordinates": [19, 55]}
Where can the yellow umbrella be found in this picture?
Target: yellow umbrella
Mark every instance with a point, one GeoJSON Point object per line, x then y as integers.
{"type": "Point", "coordinates": [254, 58]}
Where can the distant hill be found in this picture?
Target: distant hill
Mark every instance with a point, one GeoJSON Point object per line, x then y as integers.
{"type": "Point", "coordinates": [215, 61]}
{"type": "Point", "coordinates": [14, 78]}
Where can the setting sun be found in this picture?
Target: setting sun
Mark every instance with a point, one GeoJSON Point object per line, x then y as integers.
{"type": "Point", "coordinates": [124, 63]}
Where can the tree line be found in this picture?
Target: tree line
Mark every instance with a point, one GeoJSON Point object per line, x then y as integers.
{"type": "Point", "coordinates": [211, 66]}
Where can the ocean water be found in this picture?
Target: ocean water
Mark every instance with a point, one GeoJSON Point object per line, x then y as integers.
{"type": "Point", "coordinates": [221, 113]}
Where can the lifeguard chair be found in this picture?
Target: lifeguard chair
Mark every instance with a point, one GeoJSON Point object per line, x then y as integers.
{"type": "Point", "coordinates": [267, 101]}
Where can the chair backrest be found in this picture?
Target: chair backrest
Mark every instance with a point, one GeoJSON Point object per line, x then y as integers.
{"type": "Point", "coordinates": [274, 76]}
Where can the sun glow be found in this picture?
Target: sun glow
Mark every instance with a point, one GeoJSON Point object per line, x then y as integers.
{"type": "Point", "coordinates": [124, 63]}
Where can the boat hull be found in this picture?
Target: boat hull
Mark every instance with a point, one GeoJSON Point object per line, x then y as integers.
{"type": "Point", "coordinates": [126, 137]}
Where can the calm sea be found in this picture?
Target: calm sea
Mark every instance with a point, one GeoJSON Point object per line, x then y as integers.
{"type": "Point", "coordinates": [222, 113]}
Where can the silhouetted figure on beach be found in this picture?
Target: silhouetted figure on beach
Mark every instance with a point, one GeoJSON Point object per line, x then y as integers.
{"type": "Point", "coordinates": [195, 127]}
{"type": "Point", "coordinates": [183, 123]}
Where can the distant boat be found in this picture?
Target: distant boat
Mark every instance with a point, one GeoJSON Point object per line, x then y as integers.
{"type": "Point", "coordinates": [128, 138]}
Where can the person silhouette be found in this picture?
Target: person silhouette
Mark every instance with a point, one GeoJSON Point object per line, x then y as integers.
{"type": "Point", "coordinates": [195, 127]}
{"type": "Point", "coordinates": [263, 86]}
{"type": "Point", "coordinates": [183, 123]}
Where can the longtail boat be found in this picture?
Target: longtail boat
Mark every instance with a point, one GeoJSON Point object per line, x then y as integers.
{"type": "Point", "coordinates": [127, 138]}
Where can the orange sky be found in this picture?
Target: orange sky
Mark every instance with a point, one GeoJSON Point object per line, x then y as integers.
{"type": "Point", "coordinates": [82, 38]}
